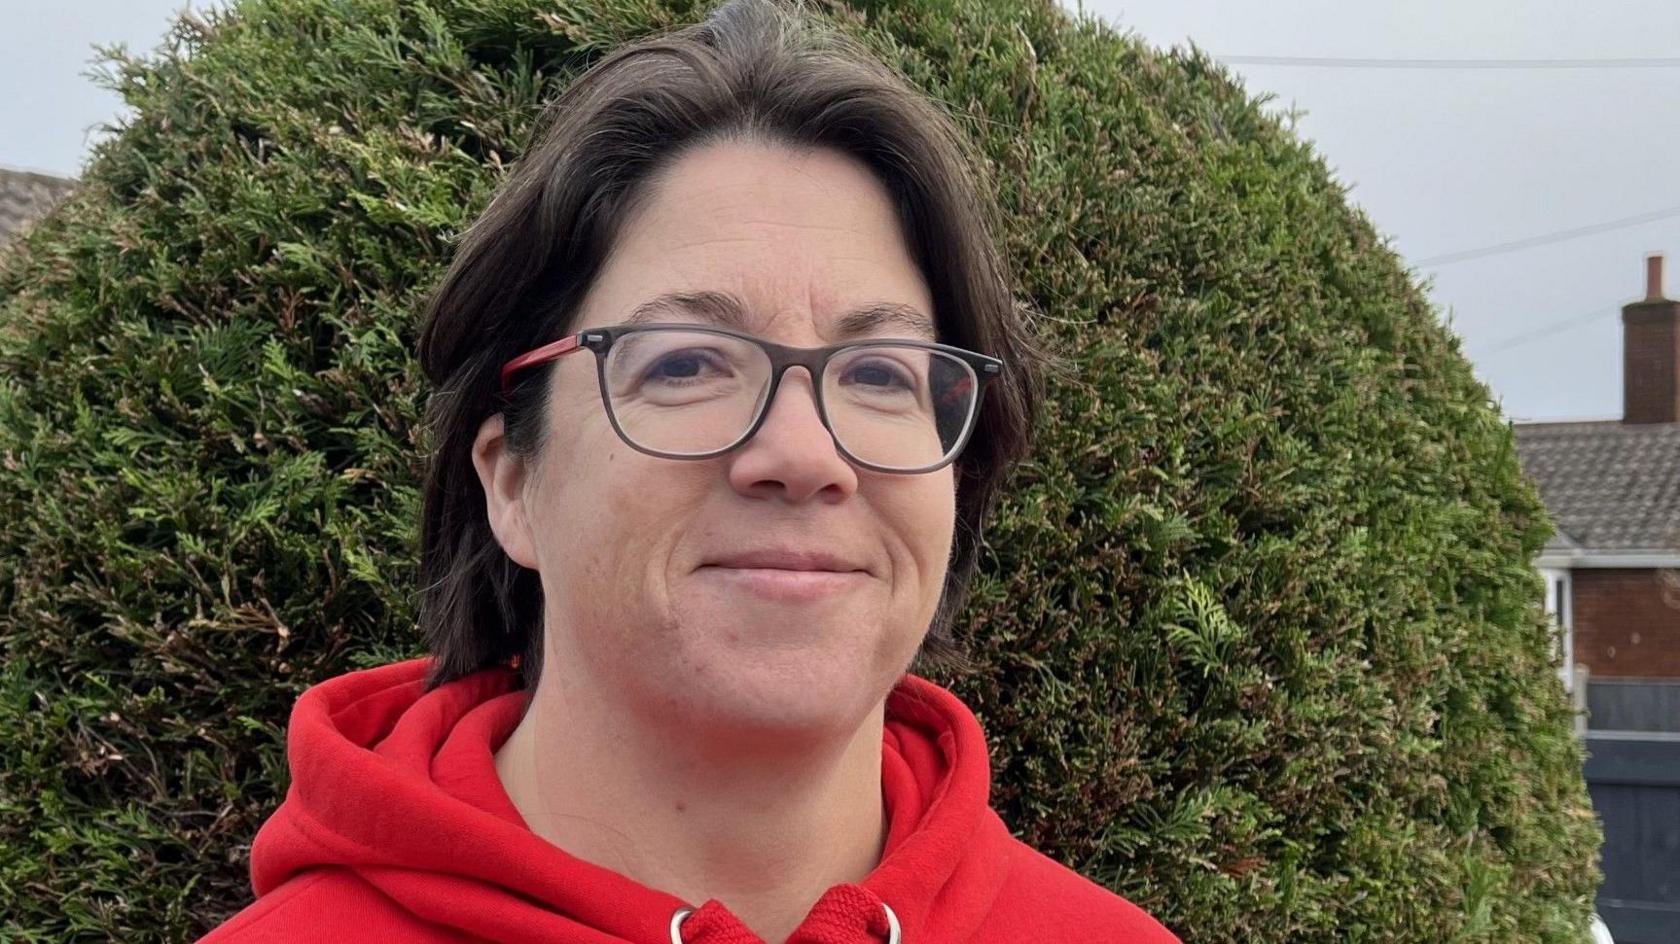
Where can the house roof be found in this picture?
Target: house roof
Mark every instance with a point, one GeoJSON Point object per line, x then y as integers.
{"type": "Point", "coordinates": [1610, 486]}
{"type": "Point", "coordinates": [26, 196]}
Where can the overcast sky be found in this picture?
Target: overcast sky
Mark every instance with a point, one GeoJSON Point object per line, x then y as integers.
{"type": "Point", "coordinates": [1443, 160]}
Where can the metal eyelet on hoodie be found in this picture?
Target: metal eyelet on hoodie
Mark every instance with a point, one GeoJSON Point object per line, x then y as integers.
{"type": "Point", "coordinates": [895, 934]}
{"type": "Point", "coordinates": [676, 923]}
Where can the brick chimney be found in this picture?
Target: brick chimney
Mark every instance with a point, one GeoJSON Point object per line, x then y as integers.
{"type": "Point", "coordinates": [1651, 353]}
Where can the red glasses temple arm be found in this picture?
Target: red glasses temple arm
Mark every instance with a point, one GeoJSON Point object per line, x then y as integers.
{"type": "Point", "coordinates": [547, 352]}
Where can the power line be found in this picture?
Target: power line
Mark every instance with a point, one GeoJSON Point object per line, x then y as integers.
{"type": "Point", "coordinates": [1547, 238]}
{"type": "Point", "coordinates": [1324, 62]}
{"type": "Point", "coordinates": [1544, 331]}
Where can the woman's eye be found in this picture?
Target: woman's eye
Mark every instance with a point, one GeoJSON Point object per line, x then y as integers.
{"type": "Point", "coordinates": [683, 365]}
{"type": "Point", "coordinates": [686, 366]}
{"type": "Point", "coordinates": [878, 374]}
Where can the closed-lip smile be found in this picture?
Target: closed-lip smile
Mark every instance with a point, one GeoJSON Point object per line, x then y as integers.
{"type": "Point", "coordinates": [787, 575]}
{"type": "Point", "coordinates": [784, 559]}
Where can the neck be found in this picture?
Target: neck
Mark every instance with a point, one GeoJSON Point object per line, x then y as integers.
{"type": "Point", "coordinates": [764, 826]}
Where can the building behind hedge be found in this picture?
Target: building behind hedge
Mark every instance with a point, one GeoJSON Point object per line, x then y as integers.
{"type": "Point", "coordinates": [1612, 572]}
{"type": "Point", "coordinates": [26, 196]}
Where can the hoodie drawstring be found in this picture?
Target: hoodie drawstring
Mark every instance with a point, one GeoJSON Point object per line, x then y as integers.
{"type": "Point", "coordinates": [845, 914]}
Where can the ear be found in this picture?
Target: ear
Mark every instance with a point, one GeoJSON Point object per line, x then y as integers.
{"type": "Point", "coordinates": [502, 475]}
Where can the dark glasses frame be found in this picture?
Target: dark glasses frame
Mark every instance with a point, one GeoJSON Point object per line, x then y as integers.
{"type": "Point", "coordinates": [813, 359]}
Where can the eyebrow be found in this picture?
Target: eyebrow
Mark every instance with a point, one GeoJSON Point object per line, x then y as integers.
{"type": "Point", "coordinates": [726, 310]}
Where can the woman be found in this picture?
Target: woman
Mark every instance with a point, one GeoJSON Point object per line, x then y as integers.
{"type": "Point", "coordinates": [728, 376]}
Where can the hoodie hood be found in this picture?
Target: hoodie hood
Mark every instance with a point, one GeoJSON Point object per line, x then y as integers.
{"type": "Point", "coordinates": [399, 786]}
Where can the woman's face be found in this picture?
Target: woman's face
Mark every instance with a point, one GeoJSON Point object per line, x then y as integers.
{"type": "Point", "coordinates": [633, 550]}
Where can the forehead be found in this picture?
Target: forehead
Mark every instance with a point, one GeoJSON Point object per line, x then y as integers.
{"type": "Point", "coordinates": [728, 310]}
{"type": "Point", "coordinates": [767, 240]}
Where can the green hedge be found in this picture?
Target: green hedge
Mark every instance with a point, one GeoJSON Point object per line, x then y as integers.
{"type": "Point", "coordinates": [1260, 647]}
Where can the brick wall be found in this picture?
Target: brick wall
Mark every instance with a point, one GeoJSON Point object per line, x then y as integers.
{"type": "Point", "coordinates": [1651, 362]}
{"type": "Point", "coordinates": [1627, 622]}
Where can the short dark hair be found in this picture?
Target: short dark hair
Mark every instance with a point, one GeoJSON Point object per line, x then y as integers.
{"type": "Point", "coordinates": [759, 70]}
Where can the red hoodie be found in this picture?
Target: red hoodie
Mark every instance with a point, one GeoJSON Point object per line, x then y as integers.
{"type": "Point", "coordinates": [396, 828]}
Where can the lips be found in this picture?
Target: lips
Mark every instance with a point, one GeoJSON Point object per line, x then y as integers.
{"type": "Point", "coordinates": [788, 576]}
{"type": "Point", "coordinates": [785, 559]}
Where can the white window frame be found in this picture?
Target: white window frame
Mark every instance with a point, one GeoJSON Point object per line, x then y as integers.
{"type": "Point", "coordinates": [1559, 584]}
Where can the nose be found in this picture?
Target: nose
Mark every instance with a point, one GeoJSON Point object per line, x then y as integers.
{"type": "Point", "coordinates": [792, 455]}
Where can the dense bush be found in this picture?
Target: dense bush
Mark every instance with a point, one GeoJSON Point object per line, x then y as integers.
{"type": "Point", "coordinates": [1259, 646]}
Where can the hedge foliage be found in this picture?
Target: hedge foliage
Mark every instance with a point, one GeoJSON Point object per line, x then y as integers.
{"type": "Point", "coordinates": [1260, 647]}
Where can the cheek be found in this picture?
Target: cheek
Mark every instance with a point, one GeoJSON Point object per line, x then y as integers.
{"type": "Point", "coordinates": [610, 512]}
{"type": "Point", "coordinates": [925, 514]}
{"type": "Point", "coordinates": [585, 509]}
{"type": "Point", "coordinates": [615, 523]}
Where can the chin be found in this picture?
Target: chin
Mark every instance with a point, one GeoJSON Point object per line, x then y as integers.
{"type": "Point", "coordinates": [785, 692]}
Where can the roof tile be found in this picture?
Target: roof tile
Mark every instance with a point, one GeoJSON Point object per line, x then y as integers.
{"type": "Point", "coordinates": [1609, 485]}
{"type": "Point", "coordinates": [25, 197]}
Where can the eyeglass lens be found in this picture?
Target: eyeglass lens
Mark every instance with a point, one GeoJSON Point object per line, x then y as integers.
{"type": "Point", "coordinates": [695, 392]}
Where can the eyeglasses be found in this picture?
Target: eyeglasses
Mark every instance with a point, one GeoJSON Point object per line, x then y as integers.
{"type": "Point", "coordinates": [686, 391]}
